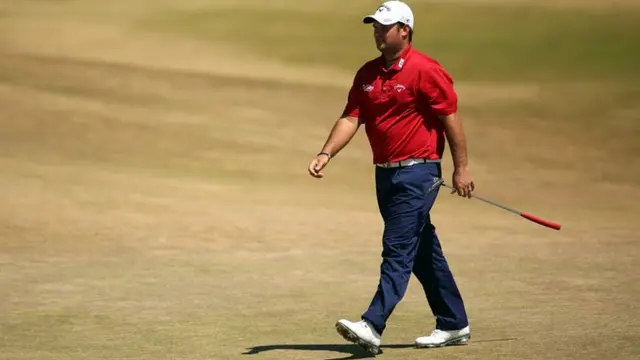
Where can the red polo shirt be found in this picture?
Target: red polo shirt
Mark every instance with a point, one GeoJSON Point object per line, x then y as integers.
{"type": "Point", "coordinates": [399, 106]}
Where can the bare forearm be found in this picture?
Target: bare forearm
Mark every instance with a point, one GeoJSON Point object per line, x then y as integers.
{"type": "Point", "coordinates": [457, 140]}
{"type": "Point", "coordinates": [342, 132]}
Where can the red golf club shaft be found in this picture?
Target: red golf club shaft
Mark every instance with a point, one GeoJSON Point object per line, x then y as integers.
{"type": "Point", "coordinates": [530, 217]}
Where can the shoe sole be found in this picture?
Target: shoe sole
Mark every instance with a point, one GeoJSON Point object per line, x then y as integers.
{"type": "Point", "coordinates": [350, 336]}
{"type": "Point", "coordinates": [461, 340]}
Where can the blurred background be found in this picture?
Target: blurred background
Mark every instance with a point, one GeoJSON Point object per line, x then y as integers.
{"type": "Point", "coordinates": [156, 202]}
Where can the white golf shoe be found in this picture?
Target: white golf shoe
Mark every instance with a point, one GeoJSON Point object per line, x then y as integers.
{"type": "Point", "coordinates": [361, 333]}
{"type": "Point", "coordinates": [439, 338]}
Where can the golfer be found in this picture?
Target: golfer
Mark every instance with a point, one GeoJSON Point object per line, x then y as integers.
{"type": "Point", "coordinates": [408, 105]}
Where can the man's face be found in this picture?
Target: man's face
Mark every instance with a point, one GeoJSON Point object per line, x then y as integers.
{"type": "Point", "coordinates": [389, 37]}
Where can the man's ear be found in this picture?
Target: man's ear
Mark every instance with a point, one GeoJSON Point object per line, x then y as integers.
{"type": "Point", "coordinates": [406, 27]}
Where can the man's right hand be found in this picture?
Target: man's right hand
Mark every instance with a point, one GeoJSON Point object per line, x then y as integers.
{"type": "Point", "coordinates": [341, 133]}
{"type": "Point", "coordinates": [317, 164]}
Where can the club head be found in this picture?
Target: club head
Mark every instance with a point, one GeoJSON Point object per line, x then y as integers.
{"type": "Point", "coordinates": [436, 183]}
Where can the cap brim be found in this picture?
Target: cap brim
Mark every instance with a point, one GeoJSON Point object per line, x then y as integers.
{"type": "Point", "coordinates": [370, 19]}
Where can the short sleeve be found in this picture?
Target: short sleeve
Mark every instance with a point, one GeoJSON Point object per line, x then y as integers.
{"type": "Point", "coordinates": [352, 108]}
{"type": "Point", "coordinates": [436, 86]}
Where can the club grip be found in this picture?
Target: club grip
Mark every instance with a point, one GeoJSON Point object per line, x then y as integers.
{"type": "Point", "coordinates": [547, 223]}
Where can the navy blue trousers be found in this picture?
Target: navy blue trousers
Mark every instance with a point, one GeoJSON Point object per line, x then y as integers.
{"type": "Point", "coordinates": [410, 245]}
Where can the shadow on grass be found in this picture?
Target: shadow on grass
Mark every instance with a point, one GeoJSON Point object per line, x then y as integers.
{"type": "Point", "coordinates": [353, 351]}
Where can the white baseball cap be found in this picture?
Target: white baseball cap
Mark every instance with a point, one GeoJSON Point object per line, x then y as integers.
{"type": "Point", "coordinates": [391, 12]}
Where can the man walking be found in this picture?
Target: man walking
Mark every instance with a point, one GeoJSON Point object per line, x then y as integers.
{"type": "Point", "coordinates": [408, 105]}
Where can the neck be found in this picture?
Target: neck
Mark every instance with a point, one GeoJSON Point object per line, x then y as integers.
{"type": "Point", "coordinates": [392, 55]}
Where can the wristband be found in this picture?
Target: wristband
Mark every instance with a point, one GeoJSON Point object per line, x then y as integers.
{"type": "Point", "coordinates": [325, 153]}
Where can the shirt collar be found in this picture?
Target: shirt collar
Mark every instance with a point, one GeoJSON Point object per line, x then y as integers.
{"type": "Point", "coordinates": [401, 62]}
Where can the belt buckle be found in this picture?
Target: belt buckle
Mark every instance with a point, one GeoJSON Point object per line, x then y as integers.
{"type": "Point", "coordinates": [410, 162]}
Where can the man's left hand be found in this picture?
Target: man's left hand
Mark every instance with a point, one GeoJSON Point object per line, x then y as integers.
{"type": "Point", "coordinates": [463, 182]}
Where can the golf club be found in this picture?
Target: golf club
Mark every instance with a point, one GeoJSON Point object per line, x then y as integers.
{"type": "Point", "coordinates": [530, 217]}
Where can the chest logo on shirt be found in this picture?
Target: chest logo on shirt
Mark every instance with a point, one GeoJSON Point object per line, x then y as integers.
{"type": "Point", "coordinates": [390, 91]}
{"type": "Point", "coordinates": [395, 87]}
{"type": "Point", "coordinates": [399, 87]}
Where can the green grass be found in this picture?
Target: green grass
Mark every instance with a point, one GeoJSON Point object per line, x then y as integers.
{"type": "Point", "coordinates": [475, 43]}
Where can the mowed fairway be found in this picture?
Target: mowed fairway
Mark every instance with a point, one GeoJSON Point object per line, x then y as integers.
{"type": "Point", "coordinates": [156, 203]}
